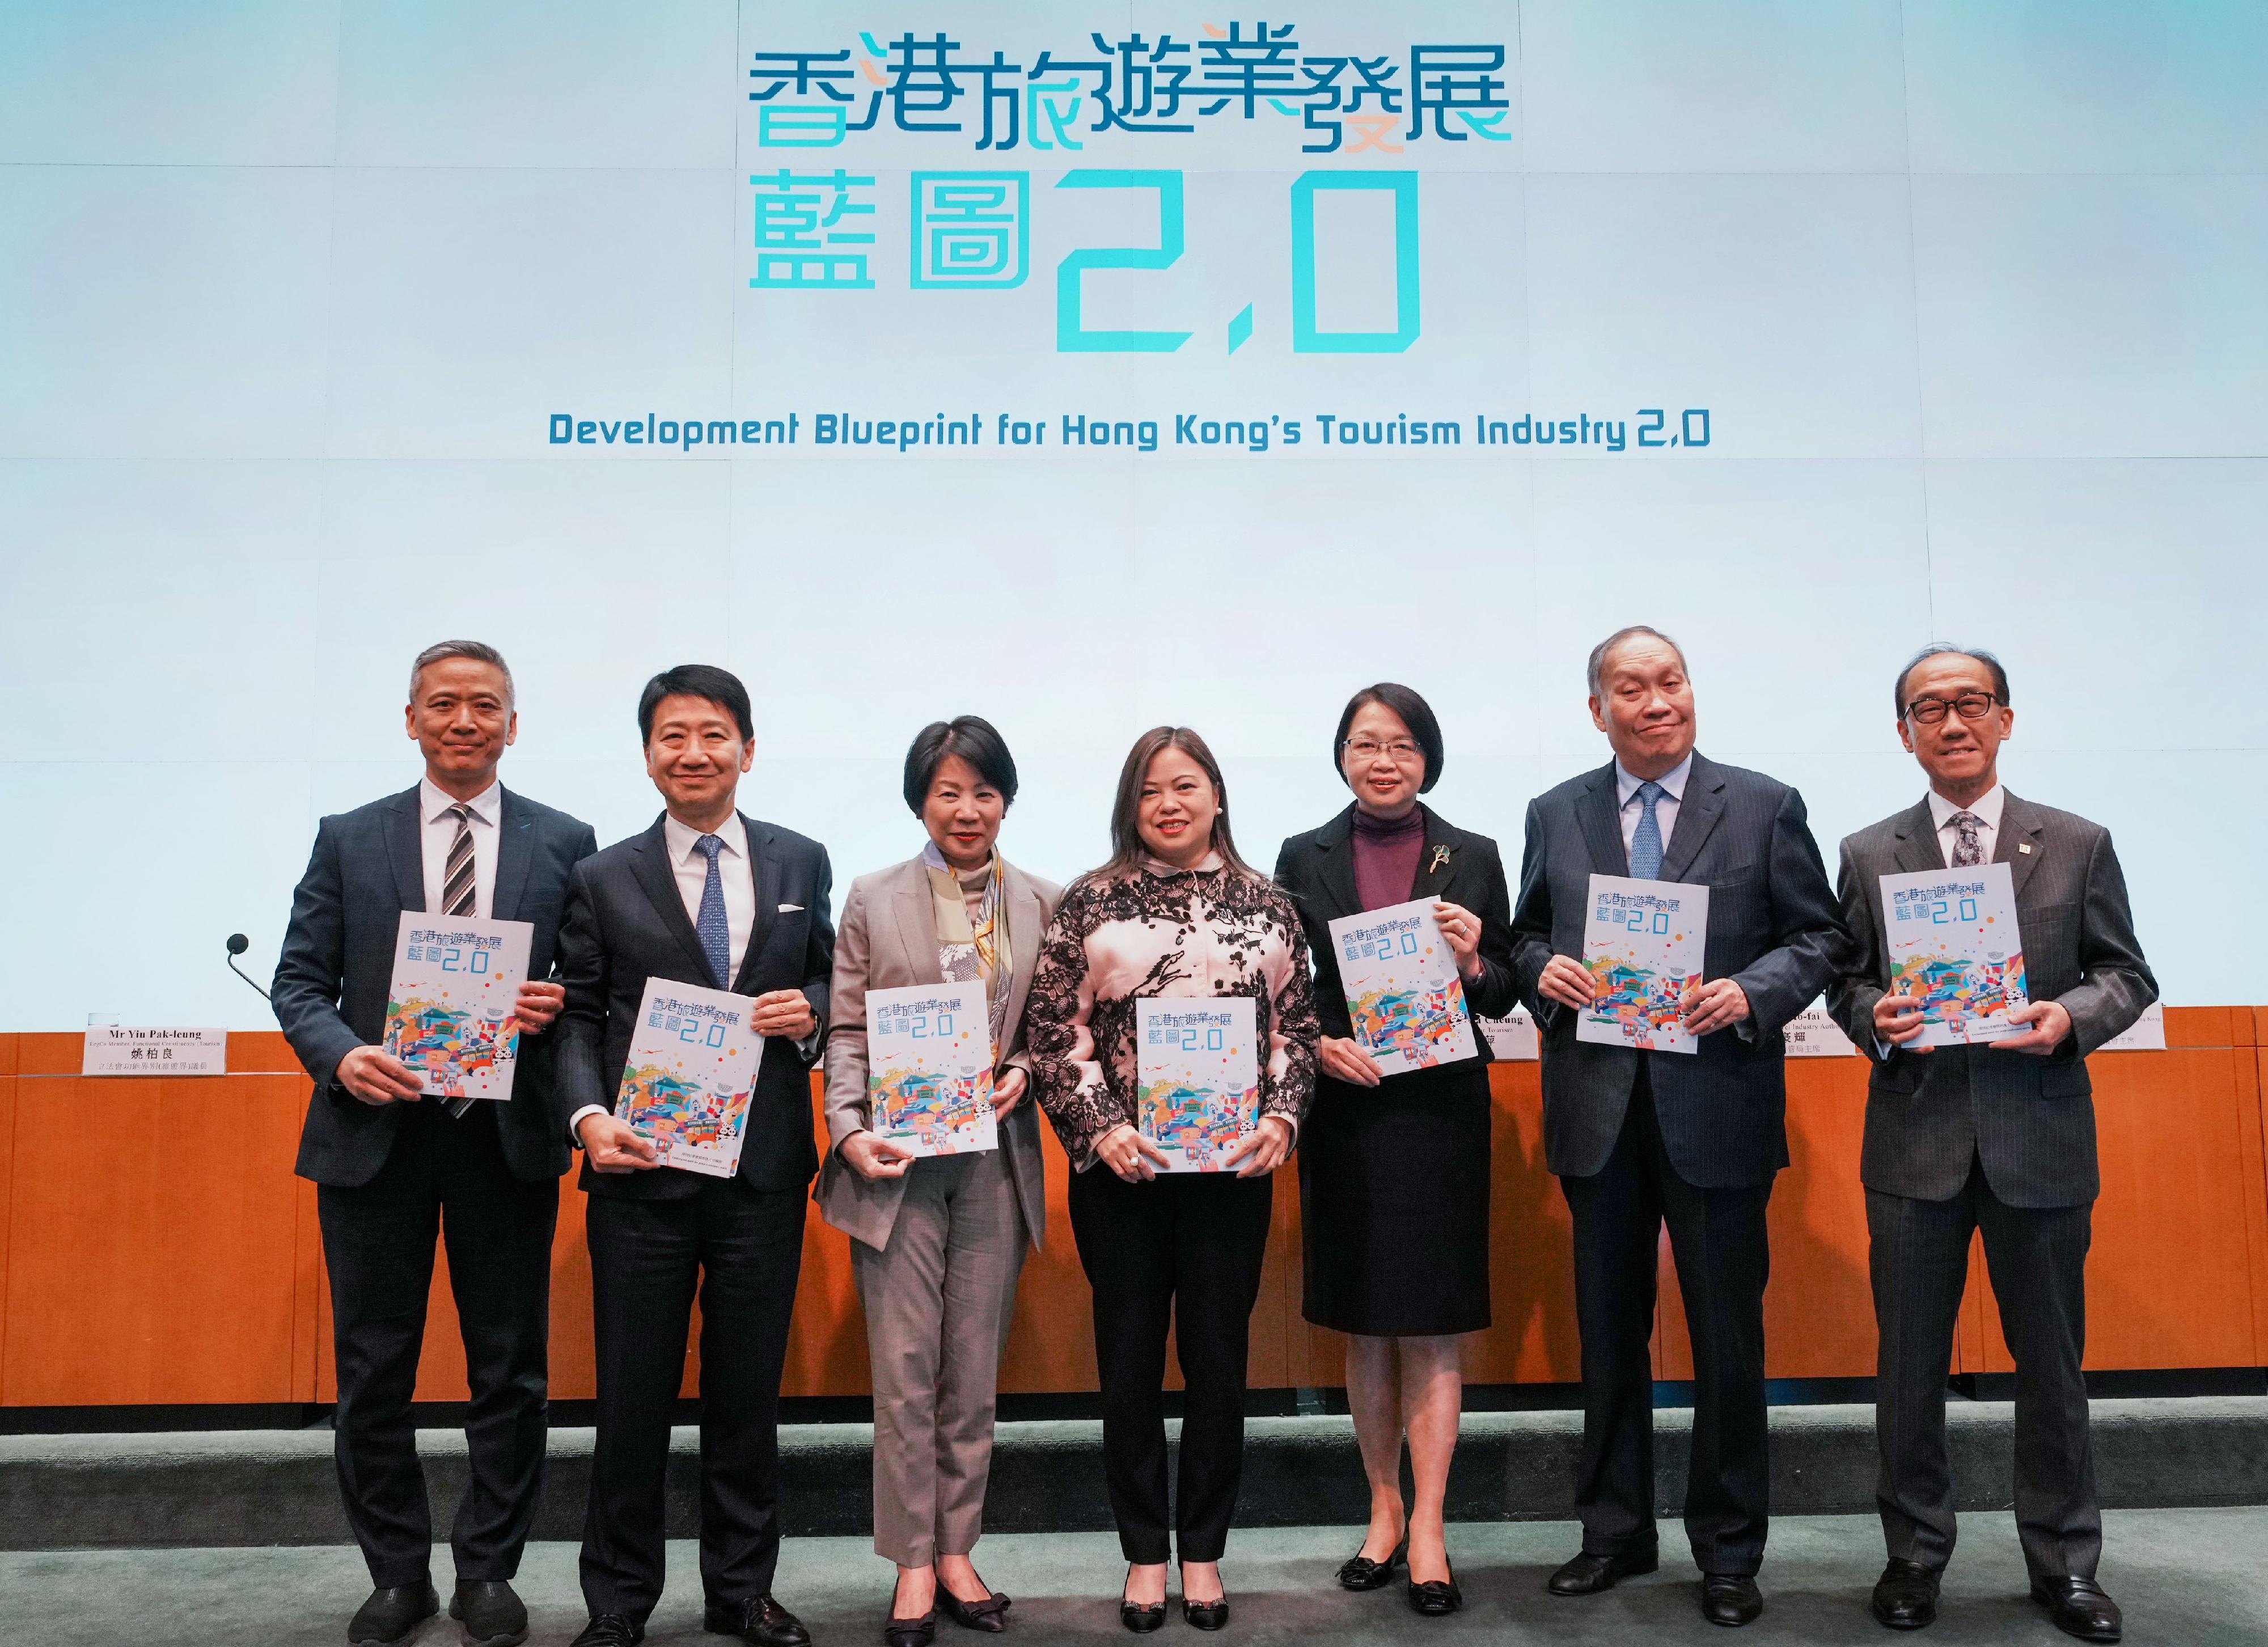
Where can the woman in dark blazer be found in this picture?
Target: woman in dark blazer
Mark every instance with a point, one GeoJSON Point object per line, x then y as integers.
{"type": "Point", "coordinates": [1394, 1169]}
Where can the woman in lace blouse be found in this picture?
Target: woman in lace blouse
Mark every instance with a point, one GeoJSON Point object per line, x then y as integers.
{"type": "Point", "coordinates": [1174, 914]}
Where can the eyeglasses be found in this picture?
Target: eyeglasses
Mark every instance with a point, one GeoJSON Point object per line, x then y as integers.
{"type": "Point", "coordinates": [1970, 706]}
{"type": "Point", "coordinates": [1402, 753]}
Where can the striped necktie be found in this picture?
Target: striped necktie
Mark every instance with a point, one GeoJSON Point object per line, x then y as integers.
{"type": "Point", "coordinates": [460, 891]}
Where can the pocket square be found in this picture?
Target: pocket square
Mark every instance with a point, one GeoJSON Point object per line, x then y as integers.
{"type": "Point", "coordinates": [791, 908]}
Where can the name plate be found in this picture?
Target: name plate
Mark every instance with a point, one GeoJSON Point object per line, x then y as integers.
{"type": "Point", "coordinates": [1811, 1033]}
{"type": "Point", "coordinates": [112, 1049]}
{"type": "Point", "coordinates": [1512, 1039]}
{"type": "Point", "coordinates": [2146, 1033]}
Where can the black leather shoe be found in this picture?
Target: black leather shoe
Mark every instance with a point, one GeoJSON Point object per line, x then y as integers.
{"type": "Point", "coordinates": [1136, 1617]}
{"type": "Point", "coordinates": [610, 1629]}
{"type": "Point", "coordinates": [392, 1613]}
{"type": "Point", "coordinates": [1587, 1574]}
{"type": "Point", "coordinates": [1906, 1595]}
{"type": "Point", "coordinates": [762, 1623]}
{"type": "Point", "coordinates": [488, 1614]}
{"type": "Point", "coordinates": [1730, 1599]}
{"type": "Point", "coordinates": [2079, 1607]}
{"type": "Point", "coordinates": [988, 1615]}
{"type": "Point", "coordinates": [1204, 1615]}
{"type": "Point", "coordinates": [1435, 1599]}
{"type": "Point", "coordinates": [1359, 1573]}
{"type": "Point", "coordinates": [911, 1632]}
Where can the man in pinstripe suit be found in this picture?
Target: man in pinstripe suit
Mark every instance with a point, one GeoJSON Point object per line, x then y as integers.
{"type": "Point", "coordinates": [1640, 1139]}
{"type": "Point", "coordinates": [1961, 1139]}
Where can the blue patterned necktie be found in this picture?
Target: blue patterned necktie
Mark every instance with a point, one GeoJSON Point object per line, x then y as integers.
{"type": "Point", "coordinates": [1646, 844]}
{"type": "Point", "coordinates": [1968, 840]}
{"type": "Point", "coordinates": [716, 933]}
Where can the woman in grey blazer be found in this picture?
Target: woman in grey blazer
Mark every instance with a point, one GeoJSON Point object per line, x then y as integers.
{"type": "Point", "coordinates": [942, 1237]}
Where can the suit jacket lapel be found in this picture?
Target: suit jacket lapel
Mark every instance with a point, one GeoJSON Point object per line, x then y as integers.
{"type": "Point", "coordinates": [1334, 866]}
{"type": "Point", "coordinates": [1918, 852]}
{"type": "Point", "coordinates": [650, 863]}
{"type": "Point", "coordinates": [1438, 860]}
{"type": "Point", "coordinates": [763, 864]}
{"type": "Point", "coordinates": [405, 851]}
{"type": "Point", "coordinates": [2020, 826]}
{"type": "Point", "coordinates": [1699, 809]}
{"type": "Point", "coordinates": [1025, 931]}
{"type": "Point", "coordinates": [514, 853]}
{"type": "Point", "coordinates": [1603, 831]}
{"type": "Point", "coordinates": [915, 917]}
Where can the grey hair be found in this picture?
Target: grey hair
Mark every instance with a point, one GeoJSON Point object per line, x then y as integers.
{"type": "Point", "coordinates": [1940, 649]}
{"type": "Point", "coordinates": [479, 651]}
{"type": "Point", "coordinates": [1593, 670]}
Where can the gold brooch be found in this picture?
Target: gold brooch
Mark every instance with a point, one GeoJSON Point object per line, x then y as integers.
{"type": "Point", "coordinates": [1440, 860]}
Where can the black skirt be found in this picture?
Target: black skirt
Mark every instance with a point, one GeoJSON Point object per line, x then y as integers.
{"type": "Point", "coordinates": [1394, 1204]}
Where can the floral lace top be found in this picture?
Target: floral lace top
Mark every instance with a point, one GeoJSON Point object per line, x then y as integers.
{"type": "Point", "coordinates": [1163, 932]}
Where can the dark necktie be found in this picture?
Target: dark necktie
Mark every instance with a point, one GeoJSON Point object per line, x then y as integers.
{"type": "Point", "coordinates": [715, 931]}
{"type": "Point", "coordinates": [1968, 844]}
{"type": "Point", "coordinates": [459, 890]}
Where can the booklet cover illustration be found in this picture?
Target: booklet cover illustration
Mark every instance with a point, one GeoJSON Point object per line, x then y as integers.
{"type": "Point", "coordinates": [691, 1071]}
{"type": "Point", "coordinates": [1199, 1075]}
{"type": "Point", "coordinates": [1402, 990]}
{"type": "Point", "coordinates": [451, 1011]}
{"type": "Point", "coordinates": [929, 1068]}
{"type": "Point", "coordinates": [1953, 945]}
{"type": "Point", "coordinates": [1642, 944]}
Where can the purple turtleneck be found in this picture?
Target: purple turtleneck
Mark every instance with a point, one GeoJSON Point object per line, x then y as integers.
{"type": "Point", "coordinates": [1386, 853]}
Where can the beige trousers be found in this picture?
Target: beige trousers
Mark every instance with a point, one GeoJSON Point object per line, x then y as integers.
{"type": "Point", "coordinates": [938, 1300]}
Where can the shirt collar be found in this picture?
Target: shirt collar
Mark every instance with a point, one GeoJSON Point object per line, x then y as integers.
{"type": "Point", "coordinates": [1672, 781]}
{"type": "Point", "coordinates": [433, 802]}
{"type": "Point", "coordinates": [684, 839]}
{"type": "Point", "coordinates": [1987, 808]}
{"type": "Point", "coordinates": [1152, 865]}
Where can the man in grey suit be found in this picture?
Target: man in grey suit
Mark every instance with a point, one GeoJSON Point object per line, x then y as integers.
{"type": "Point", "coordinates": [1640, 1139]}
{"type": "Point", "coordinates": [1999, 1138]}
{"type": "Point", "coordinates": [391, 1170]}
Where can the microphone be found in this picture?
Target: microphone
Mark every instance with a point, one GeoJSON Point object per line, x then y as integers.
{"type": "Point", "coordinates": [237, 944]}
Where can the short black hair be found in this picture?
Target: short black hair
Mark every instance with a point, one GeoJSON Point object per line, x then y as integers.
{"type": "Point", "coordinates": [720, 686]}
{"type": "Point", "coordinates": [1416, 714]}
{"type": "Point", "coordinates": [975, 741]}
{"type": "Point", "coordinates": [1939, 649]}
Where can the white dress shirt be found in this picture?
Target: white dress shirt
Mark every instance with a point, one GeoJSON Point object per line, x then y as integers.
{"type": "Point", "coordinates": [1665, 809]}
{"type": "Point", "coordinates": [736, 877]}
{"type": "Point", "coordinates": [437, 831]}
{"type": "Point", "coordinates": [1985, 809]}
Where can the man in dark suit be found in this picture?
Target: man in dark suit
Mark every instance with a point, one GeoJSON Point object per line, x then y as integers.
{"type": "Point", "coordinates": [707, 896]}
{"type": "Point", "coordinates": [1639, 1138]}
{"type": "Point", "coordinates": [391, 1168]}
{"type": "Point", "coordinates": [1999, 1138]}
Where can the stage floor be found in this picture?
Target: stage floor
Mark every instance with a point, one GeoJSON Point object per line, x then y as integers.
{"type": "Point", "coordinates": [2186, 1576]}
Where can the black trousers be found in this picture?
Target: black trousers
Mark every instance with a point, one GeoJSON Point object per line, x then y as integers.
{"type": "Point", "coordinates": [1719, 1239]}
{"type": "Point", "coordinates": [1918, 1258]}
{"type": "Point", "coordinates": [1184, 1250]}
{"type": "Point", "coordinates": [448, 1178]}
{"type": "Point", "coordinates": [742, 1249]}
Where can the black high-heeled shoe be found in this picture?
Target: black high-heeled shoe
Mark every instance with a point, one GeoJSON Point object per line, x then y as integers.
{"type": "Point", "coordinates": [974, 1615]}
{"type": "Point", "coordinates": [1436, 1598]}
{"type": "Point", "coordinates": [911, 1632]}
{"type": "Point", "coordinates": [1138, 1618]}
{"type": "Point", "coordinates": [1204, 1615]}
{"type": "Point", "coordinates": [1359, 1573]}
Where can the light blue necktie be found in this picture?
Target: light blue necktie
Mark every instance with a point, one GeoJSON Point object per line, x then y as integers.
{"type": "Point", "coordinates": [716, 933]}
{"type": "Point", "coordinates": [1646, 844]}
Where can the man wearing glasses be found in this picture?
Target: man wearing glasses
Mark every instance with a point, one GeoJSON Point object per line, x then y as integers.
{"type": "Point", "coordinates": [1999, 1137]}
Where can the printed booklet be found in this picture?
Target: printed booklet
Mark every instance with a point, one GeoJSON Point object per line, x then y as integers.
{"type": "Point", "coordinates": [691, 1071]}
{"type": "Point", "coordinates": [1199, 1072]}
{"type": "Point", "coordinates": [1951, 934]}
{"type": "Point", "coordinates": [929, 1068]}
{"type": "Point", "coordinates": [1402, 990]}
{"type": "Point", "coordinates": [451, 1011]}
{"type": "Point", "coordinates": [1642, 943]}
